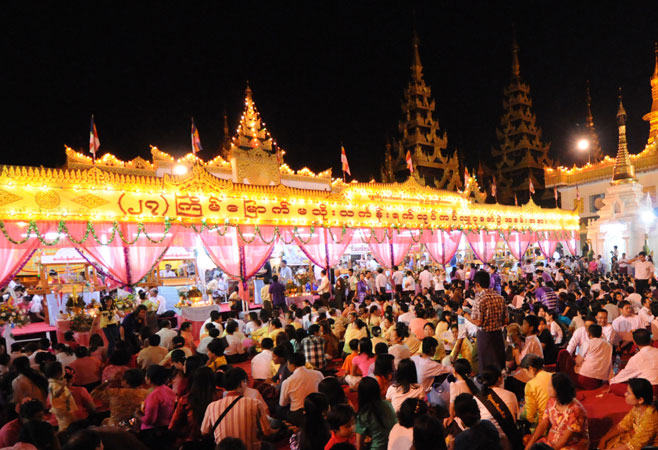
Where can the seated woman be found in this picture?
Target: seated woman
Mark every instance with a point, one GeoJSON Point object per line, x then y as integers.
{"type": "Point", "coordinates": [235, 352]}
{"type": "Point", "coordinates": [565, 416]}
{"type": "Point", "coordinates": [405, 385]}
{"type": "Point", "coordinates": [639, 427]}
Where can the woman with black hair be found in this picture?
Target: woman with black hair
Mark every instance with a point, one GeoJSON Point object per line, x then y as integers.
{"type": "Point", "coordinates": [401, 436]}
{"type": "Point", "coordinates": [375, 417]}
{"type": "Point", "coordinates": [463, 384]}
{"type": "Point", "coordinates": [500, 407]}
{"type": "Point", "coordinates": [27, 382]}
{"type": "Point", "coordinates": [333, 390]}
{"type": "Point", "coordinates": [191, 407]}
{"type": "Point", "coordinates": [479, 434]}
{"type": "Point", "coordinates": [315, 433]}
{"type": "Point", "coordinates": [383, 372]}
{"type": "Point", "coordinates": [361, 363]}
{"type": "Point", "coordinates": [158, 409]}
{"type": "Point", "coordinates": [109, 322]}
{"type": "Point", "coordinates": [639, 427]}
{"type": "Point", "coordinates": [405, 385]}
{"type": "Point", "coordinates": [565, 416]}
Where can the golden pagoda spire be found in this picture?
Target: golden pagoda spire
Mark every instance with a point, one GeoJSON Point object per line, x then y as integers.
{"type": "Point", "coordinates": [251, 132]}
{"type": "Point", "coordinates": [624, 172]}
{"type": "Point", "coordinates": [416, 65]}
{"type": "Point", "coordinates": [516, 68]}
{"type": "Point", "coordinates": [652, 116]}
{"type": "Point", "coordinates": [594, 145]}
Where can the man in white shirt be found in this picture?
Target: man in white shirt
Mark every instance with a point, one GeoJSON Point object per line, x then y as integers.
{"type": "Point", "coordinates": [623, 264]}
{"type": "Point", "coordinates": [460, 273]}
{"type": "Point", "coordinates": [645, 313]}
{"type": "Point", "coordinates": [398, 277]}
{"type": "Point", "coordinates": [399, 350]}
{"type": "Point", "coordinates": [644, 271]}
{"type": "Point", "coordinates": [644, 364]}
{"type": "Point", "coordinates": [426, 368]}
{"type": "Point", "coordinates": [607, 332]}
{"type": "Point", "coordinates": [380, 282]}
{"type": "Point", "coordinates": [529, 270]}
{"type": "Point", "coordinates": [425, 278]}
{"type": "Point", "coordinates": [324, 290]}
{"type": "Point", "coordinates": [167, 272]}
{"type": "Point", "coordinates": [36, 309]}
{"type": "Point", "coordinates": [580, 337]}
{"type": "Point", "coordinates": [166, 334]}
{"type": "Point", "coordinates": [285, 272]}
{"type": "Point", "coordinates": [216, 319]}
{"type": "Point", "coordinates": [261, 364]}
{"type": "Point", "coordinates": [626, 323]}
{"type": "Point", "coordinates": [634, 298]}
{"type": "Point", "coordinates": [158, 300]}
{"type": "Point", "coordinates": [407, 316]}
{"type": "Point", "coordinates": [409, 284]}
{"type": "Point", "coordinates": [594, 364]}
{"type": "Point", "coordinates": [297, 386]}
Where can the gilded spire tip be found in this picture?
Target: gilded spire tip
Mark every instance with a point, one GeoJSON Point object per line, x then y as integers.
{"type": "Point", "coordinates": [516, 69]}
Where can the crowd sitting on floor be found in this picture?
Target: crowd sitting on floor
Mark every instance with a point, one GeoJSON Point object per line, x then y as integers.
{"type": "Point", "coordinates": [467, 360]}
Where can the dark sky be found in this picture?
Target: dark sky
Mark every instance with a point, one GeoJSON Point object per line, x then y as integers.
{"type": "Point", "coordinates": [321, 72]}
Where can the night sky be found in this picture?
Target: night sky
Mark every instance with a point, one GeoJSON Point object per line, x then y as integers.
{"type": "Point", "coordinates": [321, 73]}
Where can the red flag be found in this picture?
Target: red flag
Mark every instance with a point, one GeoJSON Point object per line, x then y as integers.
{"type": "Point", "coordinates": [555, 193]}
{"type": "Point", "coordinates": [516, 200]}
{"type": "Point", "coordinates": [493, 187]}
{"type": "Point", "coordinates": [94, 142]}
{"type": "Point", "coordinates": [577, 193]}
{"type": "Point", "coordinates": [531, 187]}
{"type": "Point", "coordinates": [343, 161]}
{"type": "Point", "coordinates": [410, 164]}
{"type": "Point", "coordinates": [196, 142]}
{"type": "Point", "coordinates": [466, 177]}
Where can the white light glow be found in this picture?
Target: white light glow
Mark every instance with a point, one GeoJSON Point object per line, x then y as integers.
{"type": "Point", "coordinates": [648, 216]}
{"type": "Point", "coordinates": [180, 169]}
{"type": "Point", "coordinates": [583, 144]}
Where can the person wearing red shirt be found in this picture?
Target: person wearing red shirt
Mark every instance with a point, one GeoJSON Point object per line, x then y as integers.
{"type": "Point", "coordinates": [342, 423]}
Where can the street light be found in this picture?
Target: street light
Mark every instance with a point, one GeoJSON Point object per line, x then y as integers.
{"type": "Point", "coordinates": [583, 145]}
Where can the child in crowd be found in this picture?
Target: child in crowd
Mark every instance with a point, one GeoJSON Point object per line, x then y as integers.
{"type": "Point", "coordinates": [341, 419]}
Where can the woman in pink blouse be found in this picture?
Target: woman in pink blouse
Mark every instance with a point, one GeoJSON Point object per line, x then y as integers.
{"type": "Point", "coordinates": [158, 409]}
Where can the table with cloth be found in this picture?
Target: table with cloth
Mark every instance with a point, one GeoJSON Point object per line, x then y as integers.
{"type": "Point", "coordinates": [196, 315]}
{"type": "Point", "coordinates": [81, 337]}
{"type": "Point", "coordinates": [299, 299]}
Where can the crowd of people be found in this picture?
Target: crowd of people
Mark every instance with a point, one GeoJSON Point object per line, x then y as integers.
{"type": "Point", "coordinates": [472, 358]}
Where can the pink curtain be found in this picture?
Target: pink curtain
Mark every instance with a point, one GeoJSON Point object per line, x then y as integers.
{"type": "Point", "coordinates": [389, 246]}
{"type": "Point", "coordinates": [239, 251]}
{"type": "Point", "coordinates": [570, 241]}
{"type": "Point", "coordinates": [14, 256]}
{"type": "Point", "coordinates": [126, 262]}
{"type": "Point", "coordinates": [518, 242]}
{"type": "Point", "coordinates": [483, 243]}
{"type": "Point", "coordinates": [547, 241]}
{"type": "Point", "coordinates": [324, 246]}
{"type": "Point", "coordinates": [441, 245]}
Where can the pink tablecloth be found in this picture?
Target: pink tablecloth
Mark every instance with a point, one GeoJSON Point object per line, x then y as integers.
{"type": "Point", "coordinates": [299, 299]}
{"type": "Point", "coordinates": [81, 338]}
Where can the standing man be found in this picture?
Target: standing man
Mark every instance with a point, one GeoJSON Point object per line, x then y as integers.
{"type": "Point", "coordinates": [167, 272]}
{"type": "Point", "coordinates": [425, 279]}
{"type": "Point", "coordinates": [490, 315]}
{"type": "Point", "coordinates": [398, 277]}
{"type": "Point", "coordinates": [381, 282]}
{"type": "Point", "coordinates": [285, 272]}
{"type": "Point", "coordinates": [278, 293]}
{"type": "Point", "coordinates": [158, 300]}
{"type": "Point", "coordinates": [623, 265]}
{"type": "Point", "coordinates": [529, 270]}
{"type": "Point", "coordinates": [325, 288]}
{"type": "Point", "coordinates": [353, 281]}
{"type": "Point", "coordinates": [644, 271]}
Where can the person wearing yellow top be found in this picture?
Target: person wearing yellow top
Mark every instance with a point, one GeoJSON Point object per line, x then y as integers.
{"type": "Point", "coordinates": [355, 330]}
{"type": "Point", "coordinates": [276, 329]}
{"type": "Point", "coordinates": [440, 353]}
{"type": "Point", "coordinates": [216, 357]}
{"type": "Point", "coordinates": [536, 390]}
{"type": "Point", "coordinates": [59, 395]}
{"type": "Point", "coordinates": [639, 427]}
{"type": "Point", "coordinates": [413, 344]}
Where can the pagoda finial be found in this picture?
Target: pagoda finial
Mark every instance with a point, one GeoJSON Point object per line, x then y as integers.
{"type": "Point", "coordinates": [624, 172]}
{"type": "Point", "coordinates": [596, 153]}
{"type": "Point", "coordinates": [416, 65]}
{"type": "Point", "coordinates": [516, 68]}
{"type": "Point", "coordinates": [652, 116]}
{"type": "Point", "coordinates": [590, 118]}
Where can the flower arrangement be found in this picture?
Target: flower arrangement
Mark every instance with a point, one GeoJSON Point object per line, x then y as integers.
{"type": "Point", "coordinates": [12, 315]}
{"type": "Point", "coordinates": [74, 303]}
{"type": "Point", "coordinates": [126, 303]}
{"type": "Point", "coordinates": [188, 297]}
{"type": "Point", "coordinates": [81, 322]}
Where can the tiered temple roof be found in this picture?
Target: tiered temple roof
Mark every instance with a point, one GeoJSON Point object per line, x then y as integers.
{"type": "Point", "coordinates": [420, 134]}
{"type": "Point", "coordinates": [521, 153]}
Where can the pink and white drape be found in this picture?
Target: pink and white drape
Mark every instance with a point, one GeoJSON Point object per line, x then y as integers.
{"type": "Point", "coordinates": [518, 242]}
{"type": "Point", "coordinates": [569, 239]}
{"type": "Point", "coordinates": [388, 246]}
{"type": "Point", "coordinates": [323, 247]}
{"type": "Point", "coordinates": [441, 245]}
{"type": "Point", "coordinates": [547, 241]}
{"type": "Point", "coordinates": [483, 243]}
{"type": "Point", "coordinates": [239, 251]}
{"type": "Point", "coordinates": [15, 256]}
{"type": "Point", "coordinates": [125, 262]}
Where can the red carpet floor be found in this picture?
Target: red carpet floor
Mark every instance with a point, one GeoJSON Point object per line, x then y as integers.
{"type": "Point", "coordinates": [604, 410]}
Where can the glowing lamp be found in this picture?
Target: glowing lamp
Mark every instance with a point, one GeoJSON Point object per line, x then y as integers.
{"type": "Point", "coordinates": [583, 144]}
{"type": "Point", "coordinates": [180, 169]}
{"type": "Point", "coordinates": [648, 216]}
